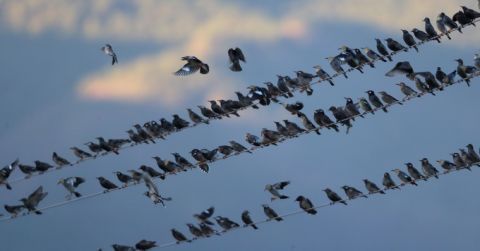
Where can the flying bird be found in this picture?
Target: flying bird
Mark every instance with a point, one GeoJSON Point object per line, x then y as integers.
{"type": "Point", "coordinates": [401, 68]}
{"type": "Point", "coordinates": [32, 201]}
{"type": "Point", "coordinates": [108, 50]}
{"type": "Point", "coordinates": [14, 210]}
{"type": "Point", "coordinates": [273, 190]}
{"type": "Point", "coordinates": [70, 184]}
{"type": "Point", "coordinates": [235, 56]}
{"type": "Point", "coordinates": [193, 65]}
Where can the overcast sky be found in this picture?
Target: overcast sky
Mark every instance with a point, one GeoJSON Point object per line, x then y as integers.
{"type": "Point", "coordinates": [59, 90]}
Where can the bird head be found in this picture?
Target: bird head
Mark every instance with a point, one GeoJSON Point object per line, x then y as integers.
{"type": "Point", "coordinates": [23, 200]}
{"type": "Point", "coordinates": [400, 84]}
{"type": "Point", "coordinates": [317, 67]}
{"type": "Point", "coordinates": [332, 108]}
{"type": "Point", "coordinates": [264, 205]}
{"type": "Point", "coordinates": [327, 190]}
{"type": "Point", "coordinates": [460, 61]}
{"type": "Point", "coordinates": [404, 31]}
{"type": "Point", "coordinates": [369, 92]}
{"type": "Point", "coordinates": [396, 170]}
{"type": "Point", "coordinates": [345, 187]}
{"type": "Point", "coordinates": [268, 187]}
{"type": "Point", "coordinates": [426, 19]}
{"type": "Point", "coordinates": [300, 198]}
{"type": "Point", "coordinates": [349, 100]}
{"type": "Point", "coordinates": [319, 111]}
{"type": "Point", "coordinates": [60, 181]}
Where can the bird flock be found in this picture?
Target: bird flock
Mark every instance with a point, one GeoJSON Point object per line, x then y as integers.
{"type": "Point", "coordinates": [425, 82]}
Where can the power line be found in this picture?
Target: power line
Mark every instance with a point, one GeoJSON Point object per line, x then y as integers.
{"type": "Point", "coordinates": [243, 108]}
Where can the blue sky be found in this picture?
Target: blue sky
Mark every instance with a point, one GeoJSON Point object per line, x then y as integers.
{"type": "Point", "coordinates": [58, 91]}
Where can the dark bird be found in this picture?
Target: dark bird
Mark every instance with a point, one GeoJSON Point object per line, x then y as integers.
{"type": "Point", "coordinates": [304, 81]}
{"type": "Point", "coordinates": [469, 13]}
{"type": "Point", "coordinates": [259, 93]}
{"type": "Point", "coordinates": [108, 185]}
{"type": "Point", "coordinates": [430, 80]}
{"type": "Point", "coordinates": [206, 230]}
{"type": "Point", "coordinates": [459, 162]}
{"type": "Point", "coordinates": [294, 107]}
{"type": "Point", "coordinates": [179, 236]}
{"type": "Point", "coordinates": [59, 160]}
{"type": "Point", "coordinates": [477, 61]}
{"type": "Point", "coordinates": [341, 116]}
{"type": "Point", "coordinates": [107, 49]}
{"type": "Point", "coordinates": [70, 184]}
{"type": "Point", "coordinates": [136, 176]}
{"type": "Point", "coordinates": [449, 22]}
{"type": "Point", "coordinates": [462, 18]}
{"type": "Point", "coordinates": [225, 223]}
{"type": "Point", "coordinates": [282, 129]}
{"type": "Point", "coordinates": [193, 65]}
{"type": "Point", "coordinates": [208, 113]}
{"type": "Point", "coordinates": [441, 25]}
{"type": "Point", "coordinates": [203, 216]}
{"type": "Point", "coordinates": [273, 190]}
{"type": "Point", "coordinates": [409, 40]}
{"type": "Point", "coordinates": [124, 178]}
{"type": "Point", "coordinates": [373, 55]}
{"type": "Point", "coordinates": [283, 87]}
{"type": "Point", "coordinates": [401, 68]}
{"type": "Point", "coordinates": [152, 192]}
{"type": "Point", "coordinates": [351, 109]}
{"type": "Point", "coordinates": [388, 182]}
{"type": "Point", "coordinates": [230, 106]}
{"type": "Point", "coordinates": [323, 75]}
{"type": "Point", "coordinates": [235, 56]}
{"type": "Point", "coordinates": [270, 137]}
{"type": "Point", "coordinates": [198, 156]}
{"type": "Point", "coordinates": [389, 99]}
{"type": "Point", "coordinates": [238, 147]}
{"type": "Point", "coordinates": [178, 122]}
{"type": "Point", "coordinates": [323, 120]}
{"type": "Point", "coordinates": [428, 169]}
{"type": "Point", "coordinates": [372, 187]}
{"type": "Point", "coordinates": [105, 146]}
{"type": "Point", "coordinates": [225, 150]}
{"type": "Point", "coordinates": [152, 172]}
{"type": "Point", "coordinates": [195, 118]}
{"type": "Point", "coordinates": [184, 163]}
{"type": "Point", "coordinates": [195, 231]}
{"type": "Point", "coordinates": [117, 247]}
{"type": "Point", "coordinates": [293, 129]}
{"type": "Point", "coordinates": [209, 154]}
{"type": "Point", "coordinates": [375, 101]}
{"type": "Point", "coordinates": [348, 56]}
{"type": "Point", "coordinates": [95, 148]}
{"type": "Point", "coordinates": [5, 173]}
{"type": "Point", "coordinates": [382, 49]}
{"type": "Point", "coordinates": [135, 137]}
{"type": "Point", "coordinates": [432, 33]}
{"type": "Point", "coordinates": [142, 133]}
{"type": "Point", "coordinates": [161, 164]}
{"type": "Point", "coordinates": [472, 154]}
{"type": "Point", "coordinates": [14, 210]}
{"type": "Point", "coordinates": [270, 213]}
{"type": "Point", "coordinates": [42, 166]}
{"type": "Point", "coordinates": [362, 58]}
{"type": "Point", "coordinates": [144, 245]}
{"type": "Point", "coordinates": [306, 205]}
{"type": "Point", "coordinates": [32, 201]}
{"type": "Point", "coordinates": [366, 107]}
{"type": "Point", "coordinates": [395, 45]}
{"type": "Point", "coordinates": [307, 123]}
{"type": "Point", "coordinates": [440, 75]}
{"type": "Point", "coordinates": [464, 70]}
{"type": "Point", "coordinates": [247, 220]}
{"type": "Point", "coordinates": [404, 177]}
{"type": "Point", "coordinates": [420, 35]}
{"type": "Point", "coordinates": [414, 173]}
{"type": "Point", "coordinates": [335, 63]}
{"type": "Point", "coordinates": [26, 169]}
{"type": "Point", "coordinates": [274, 91]}
{"type": "Point", "coordinates": [422, 87]}
{"type": "Point", "coordinates": [334, 197]}
{"type": "Point", "coordinates": [446, 165]}
{"type": "Point", "coordinates": [352, 192]}
{"type": "Point", "coordinates": [407, 90]}
{"type": "Point", "coordinates": [252, 139]}
{"type": "Point", "coordinates": [80, 153]}
{"type": "Point", "coordinates": [217, 108]}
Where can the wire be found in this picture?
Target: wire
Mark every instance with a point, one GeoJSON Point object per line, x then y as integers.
{"type": "Point", "coordinates": [244, 108]}
{"type": "Point", "coordinates": [5, 218]}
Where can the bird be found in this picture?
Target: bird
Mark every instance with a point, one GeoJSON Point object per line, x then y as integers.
{"type": "Point", "coordinates": [193, 65]}
{"type": "Point", "coordinates": [293, 108]}
{"type": "Point", "coordinates": [472, 154]}
{"type": "Point", "coordinates": [428, 169]}
{"type": "Point", "coordinates": [366, 107]}
{"type": "Point", "coordinates": [449, 22]}
{"type": "Point", "coordinates": [59, 160]}
{"type": "Point", "coordinates": [323, 120]}
{"type": "Point", "coordinates": [466, 158]}
{"type": "Point", "coordinates": [42, 166]}
{"type": "Point", "coordinates": [270, 137]}
{"type": "Point", "coordinates": [388, 182]}
{"type": "Point", "coordinates": [206, 230]}
{"type": "Point", "coordinates": [71, 183]}
{"type": "Point", "coordinates": [395, 45]}
{"type": "Point", "coordinates": [136, 176]}
{"type": "Point", "coordinates": [179, 237]}
{"type": "Point", "coordinates": [283, 87]}
{"type": "Point", "coordinates": [144, 245]}
{"type": "Point", "coordinates": [14, 210]}
{"type": "Point", "coordinates": [323, 75]}
{"type": "Point", "coordinates": [432, 33]}
{"type": "Point", "coordinates": [462, 18]}
{"type": "Point", "coordinates": [362, 58]}
{"type": "Point", "coordinates": [341, 117]}
{"type": "Point", "coordinates": [108, 185]}
{"type": "Point", "coordinates": [334, 197]}
{"type": "Point", "coordinates": [430, 80]}
{"type": "Point", "coordinates": [179, 123]}
{"type": "Point", "coordinates": [203, 216]}
{"type": "Point", "coordinates": [401, 68]}
{"type": "Point", "coordinates": [142, 133]}
{"type": "Point", "coordinates": [95, 148]}
{"type": "Point", "coordinates": [306, 205]}
{"type": "Point", "coordinates": [135, 137]}
{"type": "Point", "coordinates": [449, 78]}
{"type": "Point", "coordinates": [464, 70]}
{"type": "Point", "coordinates": [420, 35]}
{"type": "Point", "coordinates": [469, 13]}
{"type": "Point", "coordinates": [152, 192]}
{"type": "Point", "coordinates": [26, 169]}
{"type": "Point", "coordinates": [422, 87]}
{"type": "Point", "coordinates": [293, 129]}
{"type": "Point", "coordinates": [440, 75]}
{"type": "Point", "coordinates": [270, 213]}
{"type": "Point", "coordinates": [441, 25]}
{"type": "Point", "coordinates": [477, 61]}
{"type": "Point", "coordinates": [248, 220]}
{"type": "Point", "coordinates": [252, 139]}
{"type": "Point", "coordinates": [347, 55]}
{"type": "Point", "coordinates": [208, 113]}
{"type": "Point", "coordinates": [304, 81]}
{"type": "Point", "coordinates": [195, 118]}
{"type": "Point", "coordinates": [225, 150]}
{"type": "Point", "coordinates": [230, 106]}
{"type": "Point", "coordinates": [238, 147]}
{"type": "Point", "coordinates": [446, 165]}
{"type": "Point", "coordinates": [195, 231]}
{"type": "Point", "coordinates": [375, 101]}
{"type": "Point", "coordinates": [184, 163]}
{"type": "Point", "coordinates": [32, 201]}
{"type": "Point", "coordinates": [5, 173]}
{"type": "Point", "coordinates": [373, 55]}
{"type": "Point", "coordinates": [352, 193]}
{"type": "Point", "coordinates": [414, 173]}
{"type": "Point", "coordinates": [407, 90]}
{"type": "Point", "coordinates": [352, 109]}
{"type": "Point", "coordinates": [404, 177]}
{"type": "Point", "coordinates": [81, 154]}
{"type": "Point", "coordinates": [307, 123]}
{"type": "Point", "coordinates": [389, 99]}
{"type": "Point", "coordinates": [217, 108]}
{"type": "Point", "coordinates": [161, 164]}
{"type": "Point", "coordinates": [235, 56]}
{"type": "Point", "coordinates": [225, 223]}
{"type": "Point", "coordinates": [105, 146]}
{"type": "Point", "coordinates": [459, 162]}
{"type": "Point", "coordinates": [274, 91]}
{"type": "Point", "coordinates": [336, 66]}
{"type": "Point", "coordinates": [108, 50]}
{"type": "Point", "coordinates": [372, 187]}
{"type": "Point", "coordinates": [117, 247]}
{"type": "Point", "coordinates": [282, 129]}
{"type": "Point", "coordinates": [382, 49]}
{"type": "Point", "coordinates": [273, 190]}
{"type": "Point", "coordinates": [152, 172]}
{"type": "Point", "coordinates": [409, 40]}
{"type": "Point", "coordinates": [124, 178]}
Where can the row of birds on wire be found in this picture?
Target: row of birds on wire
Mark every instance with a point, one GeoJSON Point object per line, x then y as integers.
{"type": "Point", "coordinates": [344, 115]}
{"type": "Point", "coordinates": [204, 228]}
{"type": "Point", "coordinates": [354, 58]}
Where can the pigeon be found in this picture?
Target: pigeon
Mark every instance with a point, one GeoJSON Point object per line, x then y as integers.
{"type": "Point", "coordinates": [195, 231]}
{"type": "Point", "coordinates": [117, 247]}
{"type": "Point", "coordinates": [464, 70]}
{"type": "Point", "coordinates": [193, 65]}
{"type": "Point", "coordinates": [184, 163]}
{"type": "Point", "coordinates": [428, 169]}
{"type": "Point", "coordinates": [373, 55]}
{"type": "Point", "coordinates": [382, 49]}
{"type": "Point", "coordinates": [404, 177]}
{"type": "Point", "coordinates": [252, 139]}
{"type": "Point", "coordinates": [42, 166]}
{"type": "Point", "coordinates": [446, 165]}
{"type": "Point", "coordinates": [323, 75]}
{"type": "Point", "coordinates": [235, 56]}
{"type": "Point", "coordinates": [195, 118]}
{"type": "Point", "coordinates": [366, 107]}
{"type": "Point", "coordinates": [14, 210]}
{"type": "Point", "coordinates": [388, 182]}
{"type": "Point", "coordinates": [352, 109]}
{"type": "Point", "coordinates": [394, 45]}
{"type": "Point", "coordinates": [422, 87]}
{"type": "Point", "coordinates": [144, 245]}
{"type": "Point", "coordinates": [80, 153]}
{"type": "Point", "coordinates": [71, 183]}
{"type": "Point", "coordinates": [341, 117]}
{"type": "Point", "coordinates": [26, 169]}
{"type": "Point", "coordinates": [105, 146]}
{"type": "Point", "coordinates": [108, 185]}
{"type": "Point", "coordinates": [179, 123]}
{"type": "Point", "coordinates": [409, 40]}
{"type": "Point", "coordinates": [420, 35]}
{"type": "Point", "coordinates": [353, 193]}
{"type": "Point", "coordinates": [307, 123]}
{"type": "Point", "coordinates": [270, 213]}
{"type": "Point", "coordinates": [247, 220]}
{"type": "Point", "coordinates": [59, 160]}
{"type": "Point", "coordinates": [32, 201]}
{"type": "Point", "coordinates": [225, 223]}
{"type": "Point", "coordinates": [206, 230]}
{"type": "Point", "coordinates": [306, 205]}
{"type": "Point", "coordinates": [238, 147]}
{"type": "Point", "coordinates": [414, 173]}
{"type": "Point", "coordinates": [336, 66]}
{"type": "Point", "coordinates": [407, 90]}
{"type": "Point", "coordinates": [372, 187]}
{"type": "Point", "coordinates": [334, 197]}
{"type": "Point", "coordinates": [389, 99]}
{"type": "Point", "coordinates": [401, 68]}
{"type": "Point", "coordinates": [124, 178]}
{"type": "Point", "coordinates": [179, 236]}
{"type": "Point", "coordinates": [203, 216]}
{"type": "Point", "coordinates": [5, 173]}
{"type": "Point", "coordinates": [283, 87]}
{"type": "Point", "coordinates": [375, 101]}
{"type": "Point", "coordinates": [108, 50]}
{"type": "Point", "coordinates": [432, 33]}
{"type": "Point", "coordinates": [441, 26]}
{"type": "Point", "coordinates": [273, 189]}
{"type": "Point", "coordinates": [449, 22]}
{"type": "Point", "coordinates": [323, 120]}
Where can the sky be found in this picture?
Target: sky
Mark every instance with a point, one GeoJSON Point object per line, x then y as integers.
{"type": "Point", "coordinates": [59, 90]}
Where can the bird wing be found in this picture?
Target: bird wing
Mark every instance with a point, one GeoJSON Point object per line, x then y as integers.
{"type": "Point", "coordinates": [281, 185]}
{"type": "Point", "coordinates": [207, 213]}
{"type": "Point", "coordinates": [152, 188]}
{"type": "Point", "coordinates": [204, 69]}
{"type": "Point", "coordinates": [36, 194]}
{"type": "Point", "coordinates": [240, 54]}
{"type": "Point", "coordinates": [77, 181]}
{"type": "Point", "coordinates": [187, 69]}
{"type": "Point", "coordinates": [232, 55]}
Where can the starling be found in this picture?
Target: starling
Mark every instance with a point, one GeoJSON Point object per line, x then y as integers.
{"type": "Point", "coordinates": [195, 231]}
{"type": "Point", "coordinates": [95, 148]}
{"type": "Point", "coordinates": [304, 81]}
{"type": "Point", "coordinates": [441, 26]}
{"type": "Point", "coordinates": [225, 223]}
{"type": "Point", "coordinates": [108, 185]}
{"type": "Point", "coordinates": [440, 75]}
{"type": "Point", "coordinates": [71, 183]}
{"type": "Point", "coordinates": [294, 107]}
{"type": "Point", "coordinates": [252, 139]}
{"type": "Point", "coordinates": [282, 129]}
{"type": "Point", "coordinates": [152, 172]}
{"type": "Point", "coordinates": [404, 177]}
{"type": "Point", "coordinates": [274, 91]}
{"type": "Point", "coordinates": [59, 160]}
{"type": "Point", "coordinates": [323, 75]}
{"type": "Point", "coordinates": [184, 163]}
{"type": "Point", "coordinates": [352, 193]}
{"type": "Point", "coordinates": [394, 45]}
{"type": "Point", "coordinates": [179, 236]}
{"type": "Point", "coordinates": [307, 123]}
{"type": "Point", "coordinates": [464, 70]}
{"type": "Point", "coordinates": [352, 109]}
{"type": "Point", "coordinates": [466, 158]}
{"type": "Point", "coordinates": [469, 13]}
{"type": "Point", "coordinates": [306, 205]}
{"type": "Point", "coordinates": [143, 134]}
{"type": "Point", "coordinates": [401, 68]}
{"type": "Point", "coordinates": [5, 173]}
{"type": "Point", "coordinates": [293, 129]}
{"type": "Point", "coordinates": [375, 101]}
{"type": "Point", "coordinates": [206, 230]}
{"type": "Point", "coordinates": [217, 108]}
{"type": "Point", "coordinates": [152, 192]}
{"type": "Point", "coordinates": [193, 65]}
{"type": "Point", "coordinates": [179, 123]}
{"type": "Point", "coordinates": [31, 202]}
{"type": "Point", "coordinates": [472, 154]}
{"type": "Point", "coordinates": [195, 118]}
{"type": "Point", "coordinates": [450, 78]}
{"type": "Point", "coordinates": [270, 137]}
{"type": "Point", "coordinates": [259, 93]}
{"type": "Point", "coordinates": [105, 146]}
{"type": "Point", "coordinates": [136, 176]}
{"type": "Point", "coordinates": [323, 120]}
{"type": "Point", "coordinates": [477, 61]}
{"type": "Point", "coordinates": [449, 22]}
{"type": "Point", "coordinates": [235, 56]}
{"type": "Point", "coordinates": [247, 220]}
{"type": "Point", "coordinates": [26, 169]}
{"type": "Point", "coordinates": [208, 113]}
{"type": "Point", "coordinates": [107, 49]}
{"type": "Point", "coordinates": [118, 143]}
{"type": "Point", "coordinates": [430, 80]}
{"type": "Point", "coordinates": [389, 99]}
{"type": "Point", "coordinates": [362, 58]}
{"type": "Point", "coordinates": [422, 87]}
{"type": "Point", "coordinates": [336, 66]}
{"type": "Point", "coordinates": [420, 35]}
{"type": "Point", "coordinates": [225, 150]}
{"type": "Point", "coordinates": [203, 216]}
{"type": "Point", "coordinates": [462, 18]}
{"type": "Point", "coordinates": [166, 125]}
{"type": "Point", "coordinates": [283, 87]}
{"type": "Point", "coordinates": [204, 167]}
{"type": "Point", "coordinates": [14, 210]}
{"type": "Point", "coordinates": [409, 40]}
{"type": "Point", "coordinates": [432, 33]}
{"type": "Point", "coordinates": [162, 166]}
{"type": "Point", "coordinates": [373, 55]}
{"type": "Point", "coordinates": [388, 182]}
{"type": "Point", "coordinates": [153, 129]}
{"type": "Point", "coordinates": [144, 245]}
{"type": "Point", "coordinates": [406, 90]}
{"type": "Point", "coordinates": [135, 137]}
{"type": "Point", "coordinates": [273, 190]}
{"type": "Point", "coordinates": [124, 178]}
{"type": "Point", "coordinates": [334, 197]}
{"type": "Point", "coordinates": [372, 187]}
{"type": "Point", "coordinates": [198, 156]}
{"type": "Point", "coordinates": [117, 247]}
{"type": "Point", "coordinates": [382, 49]}
{"type": "Point", "coordinates": [209, 154]}
{"type": "Point", "coordinates": [80, 153]}
{"type": "Point", "coordinates": [458, 161]}
{"type": "Point", "coordinates": [237, 147]}
{"type": "Point", "coordinates": [270, 213]}
{"type": "Point", "coordinates": [414, 173]}
{"type": "Point", "coordinates": [42, 166]}
{"type": "Point", "coordinates": [446, 165]}
{"type": "Point", "coordinates": [348, 56]}
{"type": "Point", "coordinates": [341, 117]}
{"type": "Point", "coordinates": [366, 107]}
{"type": "Point", "coordinates": [428, 169]}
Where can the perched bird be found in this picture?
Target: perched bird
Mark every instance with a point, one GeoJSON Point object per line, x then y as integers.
{"type": "Point", "coordinates": [252, 139]}
{"type": "Point", "coordinates": [142, 133]}
{"type": "Point", "coordinates": [5, 173]}
{"type": "Point", "coordinates": [404, 177]}
{"type": "Point", "coordinates": [178, 122]}
{"type": "Point", "coordinates": [184, 163]}
{"type": "Point", "coordinates": [449, 22]}
{"type": "Point", "coordinates": [270, 213]}
{"type": "Point", "coordinates": [372, 187]}
{"type": "Point", "coordinates": [304, 81]}
{"type": "Point", "coordinates": [107, 49]}
{"type": "Point", "coordinates": [409, 40]}
{"type": "Point", "coordinates": [373, 55]}
{"type": "Point", "coordinates": [274, 91]}
{"type": "Point", "coordinates": [217, 108]}
{"type": "Point", "coordinates": [469, 13]}
{"type": "Point", "coordinates": [195, 118]}
{"type": "Point", "coordinates": [366, 107]}
{"type": "Point", "coordinates": [179, 236]}
{"type": "Point", "coordinates": [306, 205]}
{"type": "Point", "coordinates": [108, 185]}
{"type": "Point", "coordinates": [59, 160]}
{"type": "Point", "coordinates": [352, 109]}
{"type": "Point", "coordinates": [406, 90]}
{"type": "Point", "coordinates": [161, 164]}
{"type": "Point", "coordinates": [401, 68]}
{"type": "Point", "coordinates": [152, 172]}
{"type": "Point", "coordinates": [247, 220]}
{"type": "Point", "coordinates": [323, 75]}
{"type": "Point", "coordinates": [446, 165]}
{"type": "Point", "coordinates": [26, 169]}
{"type": "Point", "coordinates": [270, 137]}
{"type": "Point", "coordinates": [388, 182]}
{"type": "Point", "coordinates": [307, 123]}
{"type": "Point", "coordinates": [422, 87]}
{"type": "Point", "coordinates": [235, 56]}
{"type": "Point", "coordinates": [440, 75]}
{"type": "Point", "coordinates": [477, 61]}
{"type": "Point", "coordinates": [80, 153]}
{"type": "Point", "coordinates": [466, 158]}
{"type": "Point", "coordinates": [432, 33]}
{"type": "Point", "coordinates": [42, 166]}
{"type": "Point", "coordinates": [230, 106]}
{"type": "Point", "coordinates": [294, 107]}
{"type": "Point", "coordinates": [293, 129]}
{"type": "Point", "coordinates": [195, 231]}
{"type": "Point", "coordinates": [462, 18]}
{"type": "Point", "coordinates": [389, 99]}
{"type": "Point", "coordinates": [225, 223]}
{"type": "Point", "coordinates": [459, 162]}
{"type": "Point", "coordinates": [395, 45]}
{"type": "Point", "coordinates": [420, 35]}
{"type": "Point", "coordinates": [136, 176]}
{"type": "Point", "coordinates": [472, 154]}
{"type": "Point", "coordinates": [382, 49]}
{"type": "Point", "coordinates": [135, 137]}
{"type": "Point", "coordinates": [197, 155]}
{"type": "Point", "coordinates": [144, 245]}
{"type": "Point", "coordinates": [362, 58]}
{"type": "Point", "coordinates": [341, 116]}
{"type": "Point", "coordinates": [206, 230]}
{"type": "Point", "coordinates": [273, 190]}
{"type": "Point", "coordinates": [282, 129]}
{"type": "Point", "coordinates": [375, 101]}
{"type": "Point", "coordinates": [105, 146]}
{"type": "Point", "coordinates": [14, 210]}
{"type": "Point", "coordinates": [124, 178]}
{"type": "Point", "coordinates": [430, 80]}
{"type": "Point", "coordinates": [225, 150]}
{"type": "Point", "coordinates": [95, 148]}
{"type": "Point", "coordinates": [334, 197]}
{"type": "Point", "coordinates": [464, 70]}
{"type": "Point", "coordinates": [203, 216]}
{"type": "Point", "coordinates": [71, 183]}
{"type": "Point", "coordinates": [441, 26]}
{"type": "Point", "coordinates": [193, 65]}
{"type": "Point", "coordinates": [32, 201]}
{"type": "Point", "coordinates": [336, 66]}
{"type": "Point", "coordinates": [414, 173]}
{"type": "Point", "coordinates": [323, 120]}
{"type": "Point", "coordinates": [283, 87]}
{"type": "Point", "coordinates": [237, 147]}
{"type": "Point", "coordinates": [209, 154]}
{"type": "Point", "coordinates": [208, 113]}
{"type": "Point", "coordinates": [428, 169]}
{"type": "Point", "coordinates": [352, 193]}
{"type": "Point", "coordinates": [117, 247]}
{"type": "Point", "coordinates": [449, 78]}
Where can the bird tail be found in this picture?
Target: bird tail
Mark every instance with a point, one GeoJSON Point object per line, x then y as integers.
{"type": "Point", "coordinates": [343, 202]}
{"type": "Point", "coordinates": [384, 109]}
{"type": "Point", "coordinates": [77, 194]}
{"type": "Point", "coordinates": [345, 74]}
{"type": "Point", "coordinates": [382, 192]}
{"type": "Point", "coordinates": [312, 211]}
{"type": "Point", "coordinates": [114, 59]}
{"type": "Point", "coordinates": [414, 183]}
{"type": "Point", "coordinates": [236, 67]}
{"type": "Point", "coordinates": [318, 132]}
{"type": "Point", "coordinates": [389, 58]}
{"type": "Point", "coordinates": [38, 212]}
{"type": "Point", "coordinates": [283, 197]}
{"type": "Point", "coordinates": [279, 219]}
{"type": "Point", "coordinates": [254, 226]}
{"type": "Point", "coordinates": [448, 36]}
{"type": "Point", "coordinates": [331, 82]}
{"type": "Point", "coordinates": [415, 47]}
{"type": "Point", "coordinates": [8, 186]}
